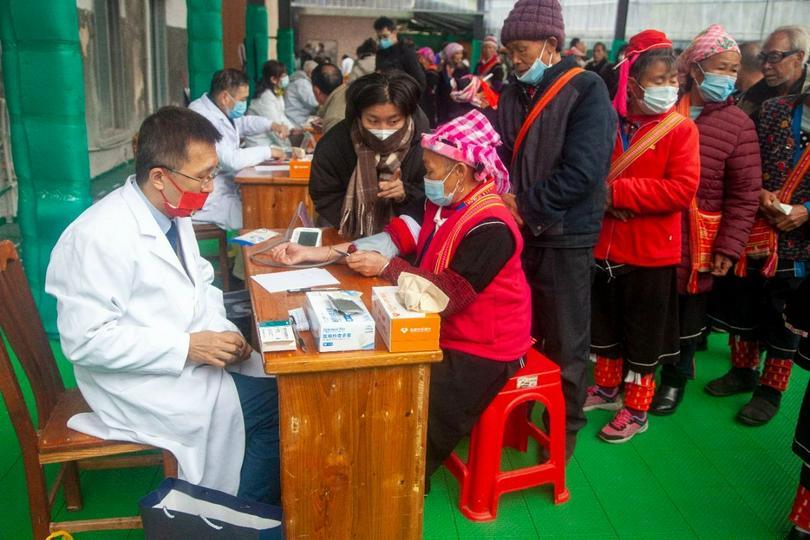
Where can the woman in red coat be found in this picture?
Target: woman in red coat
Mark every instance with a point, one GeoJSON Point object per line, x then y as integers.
{"type": "Point", "coordinates": [728, 194]}
{"type": "Point", "coordinates": [653, 177]}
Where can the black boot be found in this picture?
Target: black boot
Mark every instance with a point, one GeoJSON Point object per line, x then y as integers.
{"type": "Point", "coordinates": [736, 381]}
{"type": "Point", "coordinates": [763, 406]}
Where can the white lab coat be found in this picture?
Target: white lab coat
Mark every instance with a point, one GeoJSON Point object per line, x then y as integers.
{"type": "Point", "coordinates": [270, 106]}
{"type": "Point", "coordinates": [125, 309]}
{"type": "Point", "coordinates": [224, 205]}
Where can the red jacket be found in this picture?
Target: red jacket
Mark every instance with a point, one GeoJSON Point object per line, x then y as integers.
{"type": "Point", "coordinates": [656, 188]}
{"type": "Point", "coordinates": [730, 180]}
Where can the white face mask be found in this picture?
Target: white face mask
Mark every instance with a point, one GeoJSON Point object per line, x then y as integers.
{"type": "Point", "coordinates": [382, 134]}
{"type": "Point", "coordinates": [658, 99]}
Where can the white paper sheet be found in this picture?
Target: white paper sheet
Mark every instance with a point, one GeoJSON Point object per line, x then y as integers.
{"type": "Point", "coordinates": [295, 279]}
{"type": "Point", "coordinates": [272, 168]}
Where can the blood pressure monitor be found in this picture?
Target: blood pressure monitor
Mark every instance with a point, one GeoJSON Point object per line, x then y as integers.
{"type": "Point", "coordinates": [307, 236]}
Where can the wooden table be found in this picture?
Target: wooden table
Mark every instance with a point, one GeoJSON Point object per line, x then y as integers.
{"type": "Point", "coordinates": [269, 199]}
{"type": "Point", "coordinates": [353, 427]}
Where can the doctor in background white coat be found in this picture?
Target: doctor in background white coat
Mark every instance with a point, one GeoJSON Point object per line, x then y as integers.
{"type": "Point", "coordinates": [145, 328]}
{"type": "Point", "coordinates": [224, 106]}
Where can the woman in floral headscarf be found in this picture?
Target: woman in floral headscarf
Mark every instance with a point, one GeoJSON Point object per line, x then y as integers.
{"type": "Point", "coordinates": [467, 247]}
{"type": "Point", "coordinates": [716, 227]}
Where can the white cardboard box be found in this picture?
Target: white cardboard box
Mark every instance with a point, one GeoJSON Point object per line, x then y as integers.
{"type": "Point", "coordinates": [335, 331]}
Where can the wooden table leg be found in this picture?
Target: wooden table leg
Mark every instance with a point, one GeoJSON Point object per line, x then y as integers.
{"type": "Point", "coordinates": [352, 452]}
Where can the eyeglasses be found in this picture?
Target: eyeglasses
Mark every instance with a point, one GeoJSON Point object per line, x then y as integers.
{"type": "Point", "coordinates": [774, 57]}
{"type": "Point", "coordinates": [204, 182]}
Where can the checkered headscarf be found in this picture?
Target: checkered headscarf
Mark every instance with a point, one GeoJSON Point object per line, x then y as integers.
{"type": "Point", "coordinates": [713, 40]}
{"type": "Point", "coordinates": [471, 139]}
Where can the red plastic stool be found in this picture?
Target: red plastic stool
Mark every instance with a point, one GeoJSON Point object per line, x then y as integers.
{"type": "Point", "coordinates": [505, 423]}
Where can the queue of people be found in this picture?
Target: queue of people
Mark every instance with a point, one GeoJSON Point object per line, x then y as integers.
{"type": "Point", "coordinates": [597, 210]}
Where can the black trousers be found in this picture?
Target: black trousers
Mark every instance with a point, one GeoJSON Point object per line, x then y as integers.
{"type": "Point", "coordinates": [461, 387]}
{"type": "Point", "coordinates": [560, 280]}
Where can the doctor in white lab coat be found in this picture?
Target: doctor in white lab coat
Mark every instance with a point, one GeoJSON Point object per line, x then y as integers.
{"type": "Point", "coordinates": [224, 106]}
{"type": "Point", "coordinates": [145, 328]}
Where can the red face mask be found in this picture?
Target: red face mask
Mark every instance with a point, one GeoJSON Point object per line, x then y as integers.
{"type": "Point", "coordinates": [189, 202]}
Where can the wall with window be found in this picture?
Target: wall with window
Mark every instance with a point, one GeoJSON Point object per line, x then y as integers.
{"type": "Point", "coordinates": [135, 61]}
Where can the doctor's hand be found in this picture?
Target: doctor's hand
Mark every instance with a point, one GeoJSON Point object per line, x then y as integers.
{"type": "Point", "coordinates": [367, 263]}
{"type": "Point", "coordinates": [217, 349]}
{"type": "Point", "coordinates": [281, 130]}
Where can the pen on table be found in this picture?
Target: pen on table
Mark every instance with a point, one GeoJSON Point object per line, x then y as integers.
{"type": "Point", "coordinates": [313, 289]}
{"type": "Point", "coordinates": [298, 337]}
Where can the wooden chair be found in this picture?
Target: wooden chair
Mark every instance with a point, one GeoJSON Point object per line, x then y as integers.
{"type": "Point", "coordinates": [50, 440]}
{"type": "Point", "coordinates": [209, 231]}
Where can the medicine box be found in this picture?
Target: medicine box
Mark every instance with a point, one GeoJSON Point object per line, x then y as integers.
{"type": "Point", "coordinates": [336, 331]}
{"type": "Point", "coordinates": [276, 336]}
{"type": "Point", "coordinates": [403, 330]}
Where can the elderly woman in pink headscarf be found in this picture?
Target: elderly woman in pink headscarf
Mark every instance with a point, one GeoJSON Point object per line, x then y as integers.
{"type": "Point", "coordinates": [717, 225]}
{"type": "Point", "coordinates": [452, 77]}
{"type": "Point", "coordinates": [468, 249]}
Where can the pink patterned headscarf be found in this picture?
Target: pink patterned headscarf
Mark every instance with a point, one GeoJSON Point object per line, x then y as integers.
{"type": "Point", "coordinates": [713, 40]}
{"type": "Point", "coordinates": [471, 139]}
{"type": "Point", "coordinates": [428, 54]}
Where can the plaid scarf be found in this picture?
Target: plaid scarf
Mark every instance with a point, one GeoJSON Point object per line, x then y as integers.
{"type": "Point", "coordinates": [364, 213]}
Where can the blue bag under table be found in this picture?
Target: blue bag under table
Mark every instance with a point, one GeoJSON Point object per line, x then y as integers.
{"type": "Point", "coordinates": [179, 510]}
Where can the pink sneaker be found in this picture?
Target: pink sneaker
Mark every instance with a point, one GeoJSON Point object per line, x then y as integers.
{"type": "Point", "coordinates": [623, 427]}
{"type": "Point", "coordinates": [598, 399]}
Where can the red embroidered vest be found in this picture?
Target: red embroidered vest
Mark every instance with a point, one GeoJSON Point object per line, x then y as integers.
{"type": "Point", "coordinates": [497, 325]}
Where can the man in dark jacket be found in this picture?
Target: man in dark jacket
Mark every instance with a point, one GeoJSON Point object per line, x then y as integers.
{"type": "Point", "coordinates": [393, 54]}
{"type": "Point", "coordinates": [558, 187]}
{"type": "Point", "coordinates": [783, 58]}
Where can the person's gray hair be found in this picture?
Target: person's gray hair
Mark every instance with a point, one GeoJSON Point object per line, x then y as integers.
{"type": "Point", "coordinates": [798, 37]}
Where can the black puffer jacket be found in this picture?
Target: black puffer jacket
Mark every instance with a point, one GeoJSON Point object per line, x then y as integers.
{"type": "Point", "coordinates": [559, 175]}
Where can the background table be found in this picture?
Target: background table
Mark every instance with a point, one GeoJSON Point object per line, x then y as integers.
{"type": "Point", "coordinates": [269, 199]}
{"type": "Point", "coordinates": [353, 427]}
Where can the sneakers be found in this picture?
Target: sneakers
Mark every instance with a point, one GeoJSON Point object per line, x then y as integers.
{"type": "Point", "coordinates": [599, 399]}
{"type": "Point", "coordinates": [623, 427]}
{"type": "Point", "coordinates": [736, 381]}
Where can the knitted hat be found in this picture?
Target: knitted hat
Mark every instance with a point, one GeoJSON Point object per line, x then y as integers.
{"type": "Point", "coordinates": [714, 40]}
{"type": "Point", "coordinates": [492, 40]}
{"type": "Point", "coordinates": [534, 20]}
{"type": "Point", "coordinates": [642, 42]}
{"type": "Point", "coordinates": [471, 139]}
{"type": "Point", "coordinates": [450, 49]}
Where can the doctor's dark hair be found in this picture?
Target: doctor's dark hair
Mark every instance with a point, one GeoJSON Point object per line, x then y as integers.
{"type": "Point", "coordinates": [226, 79]}
{"type": "Point", "coordinates": [393, 86]}
{"type": "Point", "coordinates": [271, 68]}
{"type": "Point", "coordinates": [164, 138]}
